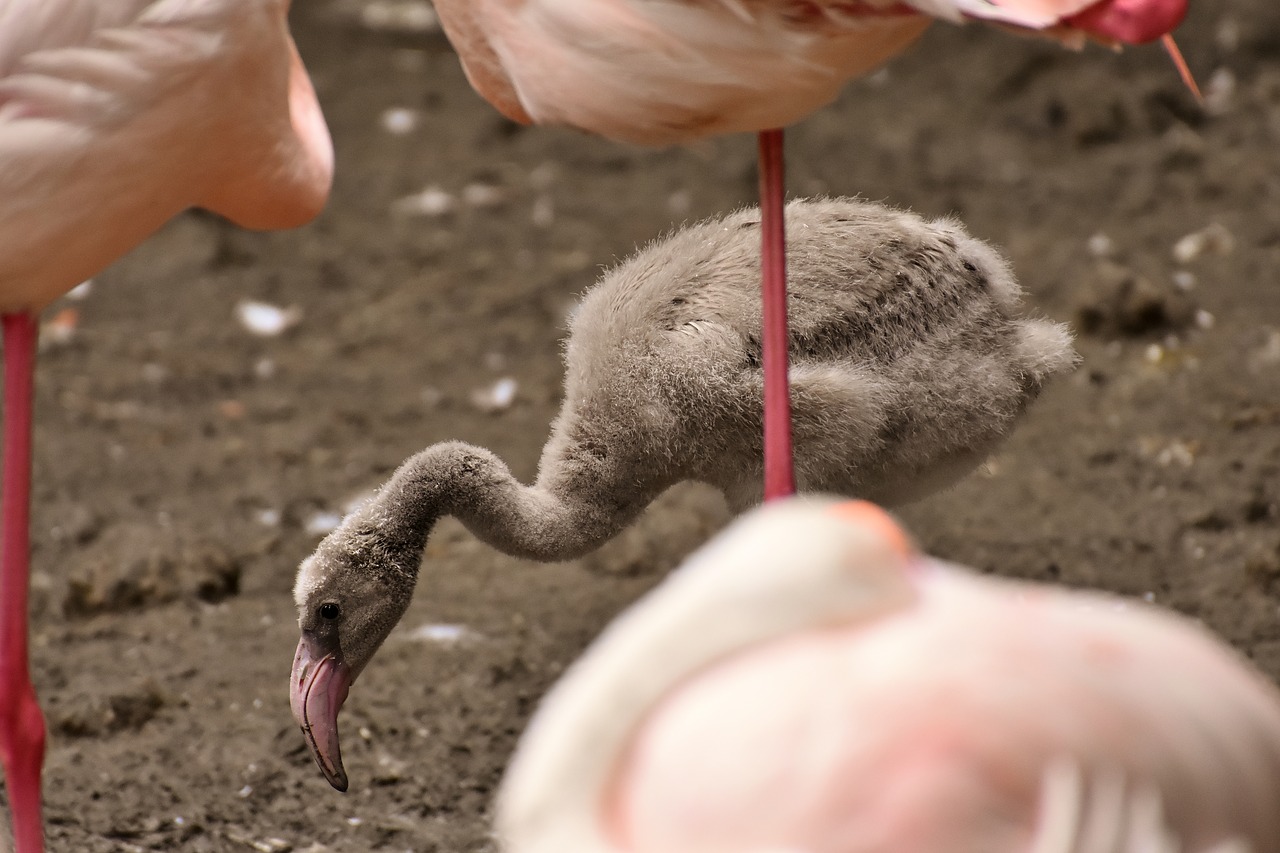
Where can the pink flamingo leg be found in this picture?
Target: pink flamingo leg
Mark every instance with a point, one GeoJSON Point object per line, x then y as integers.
{"type": "Point", "coordinates": [21, 723]}
{"type": "Point", "coordinates": [779, 473]}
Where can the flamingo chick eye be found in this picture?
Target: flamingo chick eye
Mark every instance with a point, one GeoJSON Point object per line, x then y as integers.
{"type": "Point", "coordinates": [329, 610]}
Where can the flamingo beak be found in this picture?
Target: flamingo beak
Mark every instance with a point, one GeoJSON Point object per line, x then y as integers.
{"type": "Point", "coordinates": [317, 689]}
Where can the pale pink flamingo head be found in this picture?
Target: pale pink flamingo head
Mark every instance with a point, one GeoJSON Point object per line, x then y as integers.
{"type": "Point", "coordinates": [792, 565]}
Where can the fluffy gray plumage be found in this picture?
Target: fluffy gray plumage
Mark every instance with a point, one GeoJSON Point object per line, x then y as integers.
{"type": "Point", "coordinates": [909, 363]}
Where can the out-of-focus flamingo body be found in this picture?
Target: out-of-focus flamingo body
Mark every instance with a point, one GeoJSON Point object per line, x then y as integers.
{"type": "Point", "coordinates": [809, 683]}
{"type": "Point", "coordinates": [116, 115]}
{"type": "Point", "coordinates": [664, 71]}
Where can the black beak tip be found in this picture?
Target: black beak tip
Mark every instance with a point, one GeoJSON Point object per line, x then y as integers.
{"type": "Point", "coordinates": [335, 776]}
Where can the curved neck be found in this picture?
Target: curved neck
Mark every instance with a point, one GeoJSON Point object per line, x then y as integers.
{"type": "Point", "coordinates": [566, 514]}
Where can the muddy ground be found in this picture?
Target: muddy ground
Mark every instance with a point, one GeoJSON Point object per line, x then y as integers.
{"type": "Point", "coordinates": [183, 465]}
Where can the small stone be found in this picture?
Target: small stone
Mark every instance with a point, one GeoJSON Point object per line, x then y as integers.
{"type": "Point", "coordinates": [1213, 239]}
{"type": "Point", "coordinates": [1220, 92]}
{"type": "Point", "coordinates": [1101, 246]}
{"type": "Point", "coordinates": [1180, 453]}
{"type": "Point", "coordinates": [400, 16]}
{"type": "Point", "coordinates": [497, 397]}
{"type": "Point", "coordinates": [431, 202]}
{"type": "Point", "coordinates": [321, 523]}
{"type": "Point", "coordinates": [266, 320]}
{"type": "Point", "coordinates": [399, 121]}
{"type": "Point", "coordinates": [390, 769]}
{"type": "Point", "coordinates": [444, 634]}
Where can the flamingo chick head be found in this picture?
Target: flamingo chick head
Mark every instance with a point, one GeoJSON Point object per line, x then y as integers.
{"type": "Point", "coordinates": [350, 593]}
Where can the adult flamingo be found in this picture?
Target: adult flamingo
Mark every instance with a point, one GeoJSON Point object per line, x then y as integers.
{"type": "Point", "coordinates": [810, 682]}
{"type": "Point", "coordinates": [665, 71]}
{"type": "Point", "coordinates": [116, 115]}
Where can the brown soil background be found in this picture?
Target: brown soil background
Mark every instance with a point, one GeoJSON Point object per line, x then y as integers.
{"type": "Point", "coordinates": [179, 458]}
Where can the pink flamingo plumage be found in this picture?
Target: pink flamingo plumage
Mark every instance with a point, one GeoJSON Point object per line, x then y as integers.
{"type": "Point", "coordinates": [667, 71]}
{"type": "Point", "coordinates": [115, 116]}
{"type": "Point", "coordinates": [809, 681]}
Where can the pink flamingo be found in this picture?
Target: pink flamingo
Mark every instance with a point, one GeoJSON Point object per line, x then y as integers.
{"type": "Point", "coordinates": [810, 682]}
{"type": "Point", "coordinates": [116, 115]}
{"type": "Point", "coordinates": [666, 71]}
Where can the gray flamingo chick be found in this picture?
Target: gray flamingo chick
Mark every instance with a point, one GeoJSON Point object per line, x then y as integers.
{"type": "Point", "coordinates": [908, 364]}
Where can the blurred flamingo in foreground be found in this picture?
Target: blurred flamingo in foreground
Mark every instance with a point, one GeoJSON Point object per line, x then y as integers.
{"type": "Point", "coordinates": [810, 682]}
{"type": "Point", "coordinates": [116, 115]}
{"type": "Point", "coordinates": [658, 72]}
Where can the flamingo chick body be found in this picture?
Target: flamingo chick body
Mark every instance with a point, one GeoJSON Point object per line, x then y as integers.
{"type": "Point", "coordinates": [664, 71]}
{"type": "Point", "coordinates": [909, 363]}
{"type": "Point", "coordinates": [809, 682]}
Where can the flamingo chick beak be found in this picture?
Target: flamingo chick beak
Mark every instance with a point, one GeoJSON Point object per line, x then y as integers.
{"type": "Point", "coordinates": [317, 689]}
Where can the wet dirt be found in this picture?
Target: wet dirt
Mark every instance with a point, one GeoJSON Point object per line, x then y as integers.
{"type": "Point", "coordinates": [184, 464]}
